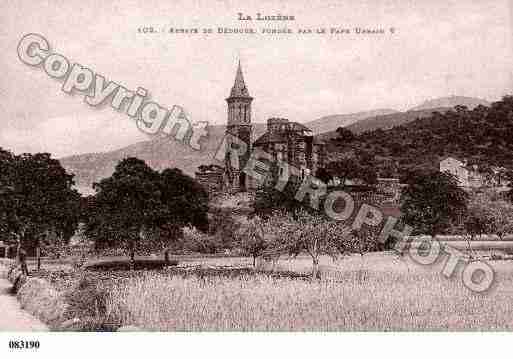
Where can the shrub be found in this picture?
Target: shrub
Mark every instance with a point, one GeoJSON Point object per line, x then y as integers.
{"type": "Point", "coordinates": [39, 298]}
{"type": "Point", "coordinates": [199, 242]}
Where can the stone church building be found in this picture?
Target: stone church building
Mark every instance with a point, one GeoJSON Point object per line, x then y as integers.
{"type": "Point", "coordinates": [284, 140]}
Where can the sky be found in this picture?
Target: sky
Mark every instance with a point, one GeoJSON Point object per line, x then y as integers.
{"type": "Point", "coordinates": [438, 48]}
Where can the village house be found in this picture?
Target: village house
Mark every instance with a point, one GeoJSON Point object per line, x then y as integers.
{"type": "Point", "coordinates": [470, 176]}
{"type": "Point", "coordinates": [466, 176]}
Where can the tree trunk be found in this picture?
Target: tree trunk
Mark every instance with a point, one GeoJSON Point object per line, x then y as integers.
{"type": "Point", "coordinates": [38, 256]}
{"type": "Point", "coordinates": [24, 267]}
{"type": "Point", "coordinates": [254, 261]}
{"type": "Point", "coordinates": [315, 268]}
{"type": "Point", "coordinates": [131, 250]}
{"type": "Point", "coordinates": [18, 248]}
{"type": "Point", "coordinates": [469, 239]}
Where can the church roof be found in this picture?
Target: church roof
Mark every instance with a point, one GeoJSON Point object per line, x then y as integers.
{"type": "Point", "coordinates": [270, 138]}
{"type": "Point", "coordinates": [295, 126]}
{"type": "Point", "coordinates": [239, 88]}
{"type": "Point", "coordinates": [318, 141]}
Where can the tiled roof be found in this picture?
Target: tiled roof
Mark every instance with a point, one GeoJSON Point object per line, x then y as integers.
{"type": "Point", "coordinates": [279, 137]}
{"type": "Point", "coordinates": [268, 138]}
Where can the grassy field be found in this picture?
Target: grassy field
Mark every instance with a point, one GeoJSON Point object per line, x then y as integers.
{"type": "Point", "coordinates": [376, 292]}
{"type": "Point", "coordinates": [379, 291]}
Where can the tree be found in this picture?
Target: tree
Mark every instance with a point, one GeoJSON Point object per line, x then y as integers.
{"type": "Point", "coordinates": [344, 169]}
{"type": "Point", "coordinates": [268, 199]}
{"type": "Point", "coordinates": [478, 221]}
{"type": "Point", "coordinates": [6, 191]}
{"type": "Point", "coordinates": [323, 175]}
{"type": "Point", "coordinates": [311, 233]}
{"type": "Point", "coordinates": [186, 200]}
{"type": "Point", "coordinates": [431, 201]}
{"type": "Point", "coordinates": [36, 199]}
{"type": "Point", "coordinates": [253, 240]}
{"type": "Point", "coordinates": [138, 207]}
{"type": "Point", "coordinates": [507, 177]}
{"type": "Point", "coordinates": [224, 226]}
{"type": "Point", "coordinates": [125, 205]}
{"type": "Point", "coordinates": [353, 168]}
{"type": "Point", "coordinates": [489, 216]}
{"type": "Point", "coordinates": [345, 135]}
{"type": "Point", "coordinates": [200, 242]}
{"type": "Point", "coordinates": [503, 218]}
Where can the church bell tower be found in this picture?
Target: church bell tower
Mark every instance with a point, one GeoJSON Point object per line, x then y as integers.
{"type": "Point", "coordinates": [239, 125]}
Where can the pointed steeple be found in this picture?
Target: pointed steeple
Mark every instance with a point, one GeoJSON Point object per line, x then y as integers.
{"type": "Point", "coordinates": [239, 88]}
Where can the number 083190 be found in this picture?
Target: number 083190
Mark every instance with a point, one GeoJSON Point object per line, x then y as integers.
{"type": "Point", "coordinates": [24, 344]}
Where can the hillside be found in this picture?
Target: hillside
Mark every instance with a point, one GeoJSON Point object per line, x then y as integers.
{"type": "Point", "coordinates": [161, 153]}
{"type": "Point", "coordinates": [332, 122]}
{"type": "Point", "coordinates": [391, 120]}
{"type": "Point", "coordinates": [482, 136]}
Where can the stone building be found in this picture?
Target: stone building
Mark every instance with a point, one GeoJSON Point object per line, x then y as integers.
{"type": "Point", "coordinates": [458, 169]}
{"type": "Point", "coordinates": [294, 144]}
{"type": "Point", "coordinates": [284, 140]}
{"type": "Point", "coordinates": [239, 125]}
{"type": "Point", "coordinates": [468, 176]}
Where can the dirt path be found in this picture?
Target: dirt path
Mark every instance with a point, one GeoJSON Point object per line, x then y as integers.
{"type": "Point", "coordinates": [12, 317]}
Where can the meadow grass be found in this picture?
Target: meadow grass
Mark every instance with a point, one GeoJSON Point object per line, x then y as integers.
{"type": "Point", "coordinates": [376, 292]}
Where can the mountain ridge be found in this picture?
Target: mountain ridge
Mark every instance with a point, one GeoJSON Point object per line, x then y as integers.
{"type": "Point", "coordinates": [162, 152]}
{"type": "Point", "coordinates": [451, 101]}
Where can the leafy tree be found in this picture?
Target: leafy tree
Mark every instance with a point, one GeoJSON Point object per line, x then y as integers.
{"type": "Point", "coordinates": [507, 177]}
{"type": "Point", "coordinates": [432, 201]}
{"type": "Point", "coordinates": [503, 218]}
{"type": "Point", "coordinates": [323, 175]}
{"type": "Point", "coordinates": [353, 168]}
{"type": "Point", "coordinates": [479, 221]}
{"type": "Point", "coordinates": [125, 205]}
{"type": "Point", "coordinates": [36, 199]}
{"type": "Point", "coordinates": [6, 191]}
{"type": "Point", "coordinates": [253, 240]}
{"type": "Point", "coordinates": [489, 216]}
{"type": "Point", "coordinates": [138, 206]}
{"type": "Point", "coordinates": [305, 232]}
{"type": "Point", "coordinates": [200, 242]}
{"type": "Point", "coordinates": [185, 199]}
{"type": "Point", "coordinates": [224, 226]}
{"type": "Point", "coordinates": [268, 199]}
{"type": "Point", "coordinates": [344, 169]}
{"type": "Point", "coordinates": [345, 135]}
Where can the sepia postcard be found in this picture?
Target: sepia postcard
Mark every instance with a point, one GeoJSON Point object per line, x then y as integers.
{"type": "Point", "coordinates": [261, 166]}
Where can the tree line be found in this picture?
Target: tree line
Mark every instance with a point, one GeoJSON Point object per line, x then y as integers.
{"type": "Point", "coordinates": [135, 206]}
